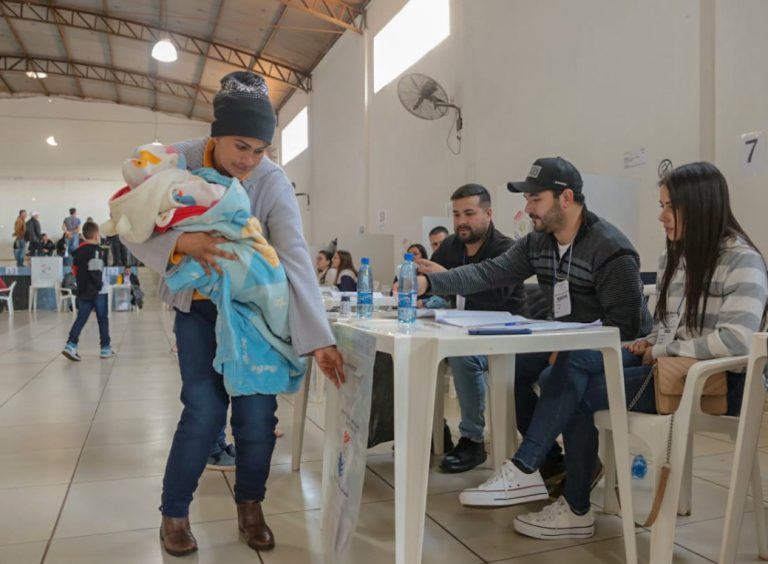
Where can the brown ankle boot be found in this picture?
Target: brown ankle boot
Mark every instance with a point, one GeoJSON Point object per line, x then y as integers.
{"type": "Point", "coordinates": [257, 534]}
{"type": "Point", "coordinates": [176, 536]}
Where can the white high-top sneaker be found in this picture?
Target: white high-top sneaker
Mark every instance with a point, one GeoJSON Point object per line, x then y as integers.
{"type": "Point", "coordinates": [556, 521]}
{"type": "Point", "coordinates": [508, 486]}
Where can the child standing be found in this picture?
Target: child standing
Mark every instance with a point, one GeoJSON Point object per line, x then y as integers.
{"type": "Point", "coordinates": [88, 267]}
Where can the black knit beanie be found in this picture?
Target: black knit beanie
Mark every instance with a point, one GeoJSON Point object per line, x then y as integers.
{"type": "Point", "coordinates": [242, 107]}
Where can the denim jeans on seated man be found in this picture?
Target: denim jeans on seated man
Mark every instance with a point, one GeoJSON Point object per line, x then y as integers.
{"type": "Point", "coordinates": [469, 381]}
{"type": "Point", "coordinates": [204, 415]}
{"type": "Point", "coordinates": [572, 391]}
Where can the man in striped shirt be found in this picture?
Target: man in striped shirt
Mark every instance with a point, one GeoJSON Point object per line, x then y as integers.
{"type": "Point", "coordinates": [586, 268]}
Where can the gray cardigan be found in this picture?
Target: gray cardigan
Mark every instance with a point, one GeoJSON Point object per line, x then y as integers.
{"type": "Point", "coordinates": [274, 205]}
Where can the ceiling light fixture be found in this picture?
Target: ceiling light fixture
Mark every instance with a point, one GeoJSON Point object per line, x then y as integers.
{"type": "Point", "coordinates": [36, 74]}
{"type": "Point", "coordinates": [51, 141]}
{"type": "Point", "coordinates": [164, 51]}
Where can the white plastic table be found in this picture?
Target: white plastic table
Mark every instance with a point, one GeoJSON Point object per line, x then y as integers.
{"type": "Point", "coordinates": [416, 357]}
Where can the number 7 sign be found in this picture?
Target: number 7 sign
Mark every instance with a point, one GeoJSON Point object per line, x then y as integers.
{"type": "Point", "coordinates": [754, 158]}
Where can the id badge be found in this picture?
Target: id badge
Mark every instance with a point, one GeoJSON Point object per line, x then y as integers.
{"type": "Point", "coordinates": [461, 302]}
{"type": "Point", "coordinates": [668, 330]}
{"type": "Point", "coordinates": [562, 299]}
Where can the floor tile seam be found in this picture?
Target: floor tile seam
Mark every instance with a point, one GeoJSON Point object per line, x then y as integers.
{"type": "Point", "coordinates": [450, 534]}
{"type": "Point", "coordinates": [564, 548]}
{"type": "Point", "coordinates": [28, 486]}
{"type": "Point", "coordinates": [29, 381]}
{"type": "Point", "coordinates": [77, 463]}
{"type": "Point", "coordinates": [683, 547]}
{"type": "Point", "coordinates": [141, 529]}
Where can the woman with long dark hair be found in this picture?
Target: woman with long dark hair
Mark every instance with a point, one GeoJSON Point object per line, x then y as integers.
{"type": "Point", "coordinates": [325, 274]}
{"type": "Point", "coordinates": [346, 273]}
{"type": "Point", "coordinates": [712, 293]}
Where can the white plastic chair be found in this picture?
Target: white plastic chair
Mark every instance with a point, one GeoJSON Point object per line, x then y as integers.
{"type": "Point", "coordinates": [47, 272]}
{"type": "Point", "coordinates": [745, 461]}
{"type": "Point", "coordinates": [654, 431]}
{"type": "Point", "coordinates": [66, 296]}
{"type": "Point", "coordinates": [6, 295]}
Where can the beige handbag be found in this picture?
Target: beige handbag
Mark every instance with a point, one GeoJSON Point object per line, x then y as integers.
{"type": "Point", "coordinates": [669, 380]}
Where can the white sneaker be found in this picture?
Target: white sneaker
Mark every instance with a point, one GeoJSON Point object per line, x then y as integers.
{"type": "Point", "coordinates": [556, 521]}
{"type": "Point", "coordinates": [508, 486]}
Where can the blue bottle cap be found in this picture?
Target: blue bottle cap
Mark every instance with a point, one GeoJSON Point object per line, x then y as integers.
{"type": "Point", "coordinates": [408, 257]}
{"type": "Point", "coordinates": [365, 260]}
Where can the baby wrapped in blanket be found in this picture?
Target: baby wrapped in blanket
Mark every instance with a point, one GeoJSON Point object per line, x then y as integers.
{"type": "Point", "coordinates": [254, 352]}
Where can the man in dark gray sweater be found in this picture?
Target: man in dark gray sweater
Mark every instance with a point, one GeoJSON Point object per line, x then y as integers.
{"type": "Point", "coordinates": [586, 268]}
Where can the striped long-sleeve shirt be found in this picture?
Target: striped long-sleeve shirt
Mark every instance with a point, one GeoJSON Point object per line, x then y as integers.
{"type": "Point", "coordinates": [737, 298]}
{"type": "Point", "coordinates": [602, 267]}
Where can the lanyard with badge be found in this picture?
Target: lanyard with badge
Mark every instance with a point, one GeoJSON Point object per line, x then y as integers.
{"type": "Point", "coordinates": [668, 329]}
{"type": "Point", "coordinates": [561, 295]}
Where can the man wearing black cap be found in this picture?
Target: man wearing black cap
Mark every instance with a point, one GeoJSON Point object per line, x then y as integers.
{"type": "Point", "coordinates": [586, 268]}
{"type": "Point", "coordinates": [244, 123]}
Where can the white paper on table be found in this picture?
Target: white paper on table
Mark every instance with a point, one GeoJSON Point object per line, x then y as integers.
{"type": "Point", "coordinates": [464, 318]}
{"type": "Point", "coordinates": [349, 447]}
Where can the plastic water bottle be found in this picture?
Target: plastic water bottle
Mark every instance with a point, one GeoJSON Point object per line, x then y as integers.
{"type": "Point", "coordinates": [406, 292]}
{"type": "Point", "coordinates": [345, 308]}
{"type": "Point", "coordinates": [365, 290]}
{"type": "Point", "coordinates": [639, 467]}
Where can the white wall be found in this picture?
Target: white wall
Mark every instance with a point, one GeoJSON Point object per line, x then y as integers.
{"type": "Point", "coordinates": [587, 80]}
{"type": "Point", "coordinates": [741, 86]}
{"type": "Point", "coordinates": [84, 170]}
{"type": "Point", "coordinates": [298, 169]}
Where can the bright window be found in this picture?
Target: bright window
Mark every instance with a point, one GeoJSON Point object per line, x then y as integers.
{"type": "Point", "coordinates": [295, 137]}
{"type": "Point", "coordinates": [411, 34]}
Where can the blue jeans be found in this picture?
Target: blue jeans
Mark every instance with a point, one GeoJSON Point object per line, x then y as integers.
{"type": "Point", "coordinates": [529, 369]}
{"type": "Point", "coordinates": [469, 380]}
{"type": "Point", "coordinates": [571, 392]}
{"type": "Point", "coordinates": [74, 242]}
{"type": "Point", "coordinates": [84, 309]}
{"type": "Point", "coordinates": [20, 252]}
{"type": "Point", "coordinates": [204, 415]}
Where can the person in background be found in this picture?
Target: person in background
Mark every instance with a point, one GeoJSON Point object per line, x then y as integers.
{"type": "Point", "coordinates": [71, 229]}
{"type": "Point", "coordinates": [19, 238]}
{"type": "Point", "coordinates": [34, 234]}
{"type": "Point", "coordinates": [418, 251]}
{"type": "Point", "coordinates": [325, 274]}
{"type": "Point", "coordinates": [46, 246]}
{"type": "Point", "coordinates": [346, 273]}
{"type": "Point", "coordinates": [91, 293]}
{"type": "Point", "coordinates": [436, 236]}
{"type": "Point", "coordinates": [475, 239]}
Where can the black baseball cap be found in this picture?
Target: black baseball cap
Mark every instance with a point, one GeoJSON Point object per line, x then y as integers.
{"type": "Point", "coordinates": [552, 173]}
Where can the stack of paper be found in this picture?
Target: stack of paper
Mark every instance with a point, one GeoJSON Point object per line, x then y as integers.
{"type": "Point", "coordinates": [463, 318]}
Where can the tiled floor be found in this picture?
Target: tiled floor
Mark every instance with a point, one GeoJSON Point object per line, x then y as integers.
{"type": "Point", "coordinates": [83, 446]}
